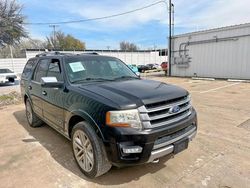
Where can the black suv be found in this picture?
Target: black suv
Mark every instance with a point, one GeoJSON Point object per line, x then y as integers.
{"type": "Point", "coordinates": [112, 116]}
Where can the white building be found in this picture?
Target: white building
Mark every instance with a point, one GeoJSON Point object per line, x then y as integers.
{"type": "Point", "coordinates": [140, 57]}
{"type": "Point", "coordinates": [219, 53]}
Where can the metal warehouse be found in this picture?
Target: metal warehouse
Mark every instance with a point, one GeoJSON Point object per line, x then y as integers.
{"type": "Point", "coordinates": [218, 53]}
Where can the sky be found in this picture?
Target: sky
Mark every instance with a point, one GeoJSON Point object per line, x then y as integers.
{"type": "Point", "coordinates": [147, 28]}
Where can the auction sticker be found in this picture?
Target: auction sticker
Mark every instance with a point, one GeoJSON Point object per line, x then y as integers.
{"type": "Point", "coordinates": [76, 66]}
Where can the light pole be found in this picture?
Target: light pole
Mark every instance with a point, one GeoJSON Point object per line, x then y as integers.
{"type": "Point", "coordinates": [169, 37]}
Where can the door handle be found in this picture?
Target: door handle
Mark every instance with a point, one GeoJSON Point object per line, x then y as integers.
{"type": "Point", "coordinates": [44, 93]}
{"type": "Point", "coordinates": [30, 88]}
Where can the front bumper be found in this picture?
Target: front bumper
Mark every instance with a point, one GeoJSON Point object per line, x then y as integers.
{"type": "Point", "coordinates": [155, 143]}
{"type": "Point", "coordinates": [7, 79]}
{"type": "Point", "coordinates": [168, 147]}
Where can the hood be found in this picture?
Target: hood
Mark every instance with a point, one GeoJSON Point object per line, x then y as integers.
{"type": "Point", "coordinates": [134, 93]}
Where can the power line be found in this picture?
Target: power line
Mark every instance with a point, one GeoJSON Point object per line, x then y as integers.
{"type": "Point", "coordinates": [97, 18]}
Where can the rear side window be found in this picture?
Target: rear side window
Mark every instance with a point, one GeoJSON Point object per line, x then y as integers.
{"type": "Point", "coordinates": [55, 70]}
{"type": "Point", "coordinates": [27, 71]}
{"type": "Point", "coordinates": [41, 70]}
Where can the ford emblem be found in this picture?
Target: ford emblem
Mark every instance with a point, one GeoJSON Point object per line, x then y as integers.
{"type": "Point", "coordinates": [174, 109]}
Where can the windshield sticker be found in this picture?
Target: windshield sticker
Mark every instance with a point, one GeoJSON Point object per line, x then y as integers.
{"type": "Point", "coordinates": [76, 66]}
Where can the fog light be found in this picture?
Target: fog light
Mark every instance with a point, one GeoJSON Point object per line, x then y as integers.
{"type": "Point", "coordinates": [132, 149]}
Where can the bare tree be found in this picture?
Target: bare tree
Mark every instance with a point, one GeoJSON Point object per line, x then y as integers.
{"type": "Point", "coordinates": [18, 51]}
{"type": "Point", "coordinates": [11, 23]}
{"type": "Point", "coordinates": [127, 46]}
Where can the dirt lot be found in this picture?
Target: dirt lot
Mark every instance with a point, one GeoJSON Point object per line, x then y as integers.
{"type": "Point", "coordinates": [218, 156]}
{"type": "Point", "coordinates": [9, 87]}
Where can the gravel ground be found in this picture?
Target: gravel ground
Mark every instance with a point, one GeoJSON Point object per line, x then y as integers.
{"type": "Point", "coordinates": [7, 88]}
{"type": "Point", "coordinates": [10, 98]}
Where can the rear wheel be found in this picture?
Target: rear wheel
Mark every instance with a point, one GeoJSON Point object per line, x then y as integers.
{"type": "Point", "coordinates": [88, 150]}
{"type": "Point", "coordinates": [33, 119]}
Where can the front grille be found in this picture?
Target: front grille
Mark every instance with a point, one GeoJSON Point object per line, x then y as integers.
{"type": "Point", "coordinates": [169, 139]}
{"type": "Point", "coordinates": [159, 114]}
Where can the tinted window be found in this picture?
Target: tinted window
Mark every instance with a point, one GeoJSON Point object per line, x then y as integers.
{"type": "Point", "coordinates": [2, 71]}
{"type": "Point", "coordinates": [55, 70]}
{"type": "Point", "coordinates": [41, 70]}
{"type": "Point", "coordinates": [27, 71]}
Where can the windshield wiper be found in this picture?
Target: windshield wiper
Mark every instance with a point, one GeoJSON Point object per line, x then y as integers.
{"type": "Point", "coordinates": [92, 79]}
{"type": "Point", "coordinates": [125, 77]}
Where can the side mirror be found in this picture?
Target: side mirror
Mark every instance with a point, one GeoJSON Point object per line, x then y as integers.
{"type": "Point", "coordinates": [51, 82]}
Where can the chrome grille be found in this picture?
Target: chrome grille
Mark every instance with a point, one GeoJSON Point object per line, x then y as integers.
{"type": "Point", "coordinates": [158, 114]}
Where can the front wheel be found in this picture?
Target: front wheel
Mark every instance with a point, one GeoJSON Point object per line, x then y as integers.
{"type": "Point", "coordinates": [88, 150]}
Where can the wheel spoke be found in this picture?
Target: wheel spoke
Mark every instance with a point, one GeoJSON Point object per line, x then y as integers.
{"type": "Point", "coordinates": [89, 157]}
{"type": "Point", "coordinates": [87, 143]}
{"type": "Point", "coordinates": [78, 144]}
{"type": "Point", "coordinates": [80, 153]}
{"type": "Point", "coordinates": [82, 138]}
{"type": "Point", "coordinates": [85, 162]}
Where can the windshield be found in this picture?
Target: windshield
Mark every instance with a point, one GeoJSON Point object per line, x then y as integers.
{"type": "Point", "coordinates": [96, 68]}
{"type": "Point", "coordinates": [5, 71]}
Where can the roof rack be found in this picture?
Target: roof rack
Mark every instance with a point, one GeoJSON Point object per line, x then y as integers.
{"type": "Point", "coordinates": [52, 54]}
{"type": "Point", "coordinates": [59, 53]}
{"type": "Point", "coordinates": [90, 53]}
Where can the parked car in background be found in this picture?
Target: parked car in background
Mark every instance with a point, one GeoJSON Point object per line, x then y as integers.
{"type": "Point", "coordinates": [143, 68]}
{"type": "Point", "coordinates": [134, 68]}
{"type": "Point", "coordinates": [157, 66]}
{"type": "Point", "coordinates": [7, 76]}
{"type": "Point", "coordinates": [164, 66]}
{"type": "Point", "coordinates": [151, 66]}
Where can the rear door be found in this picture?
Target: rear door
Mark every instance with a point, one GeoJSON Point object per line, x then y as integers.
{"type": "Point", "coordinates": [26, 75]}
{"type": "Point", "coordinates": [34, 87]}
{"type": "Point", "coordinates": [53, 98]}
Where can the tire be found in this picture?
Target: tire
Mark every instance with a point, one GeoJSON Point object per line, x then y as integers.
{"type": "Point", "coordinates": [32, 118]}
{"type": "Point", "coordinates": [91, 158]}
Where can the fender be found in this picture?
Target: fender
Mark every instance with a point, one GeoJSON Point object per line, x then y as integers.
{"type": "Point", "coordinates": [28, 97]}
{"type": "Point", "coordinates": [86, 117]}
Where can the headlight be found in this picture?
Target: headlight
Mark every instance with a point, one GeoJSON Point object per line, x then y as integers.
{"type": "Point", "coordinates": [125, 118]}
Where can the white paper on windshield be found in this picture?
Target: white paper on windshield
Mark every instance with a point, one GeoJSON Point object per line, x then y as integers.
{"type": "Point", "coordinates": [76, 66]}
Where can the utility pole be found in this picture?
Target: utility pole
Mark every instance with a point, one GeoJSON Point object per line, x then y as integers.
{"type": "Point", "coordinates": [54, 33]}
{"type": "Point", "coordinates": [170, 37]}
{"type": "Point", "coordinates": [172, 19]}
{"type": "Point", "coordinates": [11, 55]}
